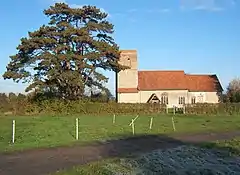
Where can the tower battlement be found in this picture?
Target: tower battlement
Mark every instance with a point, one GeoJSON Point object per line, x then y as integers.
{"type": "Point", "coordinates": [128, 78]}
{"type": "Point", "coordinates": [128, 58]}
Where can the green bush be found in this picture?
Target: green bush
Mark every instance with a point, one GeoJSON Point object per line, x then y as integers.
{"type": "Point", "coordinates": [221, 108]}
{"type": "Point", "coordinates": [52, 107]}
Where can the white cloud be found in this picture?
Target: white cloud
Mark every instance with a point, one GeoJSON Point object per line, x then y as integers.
{"type": "Point", "coordinates": [207, 5]}
{"type": "Point", "coordinates": [209, 9]}
{"type": "Point", "coordinates": [166, 10]}
{"type": "Point", "coordinates": [59, 1]}
{"type": "Point", "coordinates": [233, 2]}
{"type": "Point", "coordinates": [132, 10]}
{"type": "Point", "coordinates": [132, 20]}
{"type": "Point", "coordinates": [75, 6]}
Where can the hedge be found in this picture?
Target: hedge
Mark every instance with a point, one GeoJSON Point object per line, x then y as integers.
{"type": "Point", "coordinates": [78, 107]}
{"type": "Point", "coordinates": [221, 108]}
{"type": "Point", "coordinates": [53, 107]}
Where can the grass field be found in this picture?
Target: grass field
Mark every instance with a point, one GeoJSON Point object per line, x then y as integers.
{"type": "Point", "coordinates": [206, 159]}
{"type": "Point", "coordinates": [48, 131]}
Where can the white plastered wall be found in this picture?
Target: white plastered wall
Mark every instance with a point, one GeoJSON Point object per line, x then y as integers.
{"type": "Point", "coordinates": [204, 97]}
{"type": "Point", "coordinates": [128, 97]}
{"type": "Point", "coordinates": [173, 96]}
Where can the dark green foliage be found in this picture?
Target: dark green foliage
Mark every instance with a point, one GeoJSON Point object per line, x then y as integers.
{"type": "Point", "coordinates": [221, 108]}
{"type": "Point", "coordinates": [63, 57]}
{"type": "Point", "coordinates": [102, 97]}
{"type": "Point", "coordinates": [12, 103]}
{"type": "Point", "coordinates": [77, 107]}
{"type": "Point", "coordinates": [234, 97]}
{"type": "Point", "coordinates": [36, 104]}
{"type": "Point", "coordinates": [4, 102]}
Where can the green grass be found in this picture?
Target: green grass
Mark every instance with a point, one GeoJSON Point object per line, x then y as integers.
{"type": "Point", "coordinates": [109, 167]}
{"type": "Point", "coordinates": [49, 131]}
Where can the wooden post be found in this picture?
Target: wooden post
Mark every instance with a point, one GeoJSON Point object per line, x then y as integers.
{"type": "Point", "coordinates": [13, 131]}
{"type": "Point", "coordinates": [114, 119]}
{"type": "Point", "coordinates": [184, 109]}
{"type": "Point", "coordinates": [151, 123]}
{"type": "Point", "coordinates": [174, 110]}
{"type": "Point", "coordinates": [133, 127]}
{"type": "Point", "coordinates": [133, 120]}
{"type": "Point", "coordinates": [76, 128]}
{"type": "Point", "coordinates": [173, 124]}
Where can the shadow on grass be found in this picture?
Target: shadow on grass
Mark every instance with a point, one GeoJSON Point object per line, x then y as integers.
{"type": "Point", "coordinates": [45, 161]}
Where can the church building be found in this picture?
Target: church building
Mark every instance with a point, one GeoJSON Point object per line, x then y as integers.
{"type": "Point", "coordinates": [173, 87]}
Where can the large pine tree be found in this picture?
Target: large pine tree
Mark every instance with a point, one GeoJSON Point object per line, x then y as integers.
{"type": "Point", "coordinates": [64, 56]}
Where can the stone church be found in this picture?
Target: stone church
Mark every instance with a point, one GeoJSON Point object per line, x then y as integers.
{"type": "Point", "coordinates": [173, 88]}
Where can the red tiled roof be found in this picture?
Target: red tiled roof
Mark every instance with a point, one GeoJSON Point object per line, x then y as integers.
{"type": "Point", "coordinates": [157, 80]}
{"type": "Point", "coordinates": [174, 80]}
{"type": "Point", "coordinates": [207, 83]}
{"type": "Point", "coordinates": [127, 90]}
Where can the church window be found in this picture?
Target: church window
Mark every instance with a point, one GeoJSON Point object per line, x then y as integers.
{"type": "Point", "coordinates": [193, 100]}
{"type": "Point", "coordinates": [164, 99]}
{"type": "Point", "coordinates": [181, 100]}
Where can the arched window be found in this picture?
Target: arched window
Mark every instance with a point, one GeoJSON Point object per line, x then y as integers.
{"type": "Point", "coordinates": [193, 100]}
{"type": "Point", "coordinates": [181, 100]}
{"type": "Point", "coordinates": [164, 98]}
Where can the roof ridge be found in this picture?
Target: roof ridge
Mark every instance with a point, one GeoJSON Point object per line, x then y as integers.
{"type": "Point", "coordinates": [129, 50]}
{"type": "Point", "coordinates": [161, 71]}
{"type": "Point", "coordinates": [200, 74]}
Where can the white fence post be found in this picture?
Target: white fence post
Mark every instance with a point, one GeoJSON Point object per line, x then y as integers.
{"type": "Point", "coordinates": [76, 128]}
{"type": "Point", "coordinates": [133, 120]}
{"type": "Point", "coordinates": [133, 127]}
{"type": "Point", "coordinates": [151, 123]}
{"type": "Point", "coordinates": [114, 119]}
{"type": "Point", "coordinates": [13, 131]}
{"type": "Point", "coordinates": [173, 124]}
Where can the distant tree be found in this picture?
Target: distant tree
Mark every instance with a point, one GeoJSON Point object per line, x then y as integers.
{"type": "Point", "coordinates": [4, 102]}
{"type": "Point", "coordinates": [63, 57]}
{"type": "Point", "coordinates": [13, 101]}
{"type": "Point", "coordinates": [101, 96]}
{"type": "Point", "coordinates": [3, 98]}
{"type": "Point", "coordinates": [224, 98]}
{"type": "Point", "coordinates": [21, 97]}
{"type": "Point", "coordinates": [233, 91]}
{"type": "Point", "coordinates": [12, 96]}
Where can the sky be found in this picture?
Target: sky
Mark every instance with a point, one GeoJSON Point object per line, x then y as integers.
{"type": "Point", "coordinates": [197, 36]}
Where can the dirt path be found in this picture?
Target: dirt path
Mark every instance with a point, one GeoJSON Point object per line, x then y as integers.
{"type": "Point", "coordinates": [44, 161]}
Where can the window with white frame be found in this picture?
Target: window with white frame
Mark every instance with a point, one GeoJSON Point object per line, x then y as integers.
{"type": "Point", "coordinates": [193, 100]}
{"type": "Point", "coordinates": [164, 98]}
{"type": "Point", "coordinates": [181, 100]}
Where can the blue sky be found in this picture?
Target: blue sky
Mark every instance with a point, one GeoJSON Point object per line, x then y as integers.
{"type": "Point", "coordinates": [198, 36]}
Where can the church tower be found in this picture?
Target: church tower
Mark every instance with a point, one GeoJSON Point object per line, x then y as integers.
{"type": "Point", "coordinates": [127, 79]}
